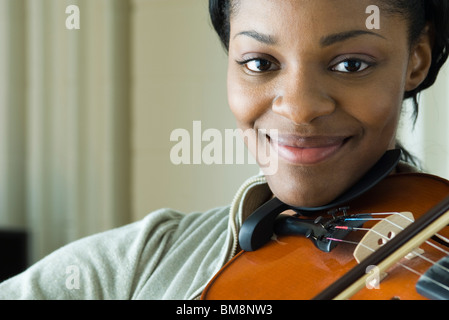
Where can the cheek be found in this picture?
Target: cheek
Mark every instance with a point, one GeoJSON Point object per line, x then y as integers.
{"type": "Point", "coordinates": [247, 101]}
{"type": "Point", "coordinates": [378, 110]}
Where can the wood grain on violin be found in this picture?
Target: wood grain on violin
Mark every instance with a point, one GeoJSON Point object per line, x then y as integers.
{"type": "Point", "coordinates": [292, 267]}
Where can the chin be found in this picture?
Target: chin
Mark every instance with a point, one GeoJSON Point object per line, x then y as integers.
{"type": "Point", "coordinates": [297, 195]}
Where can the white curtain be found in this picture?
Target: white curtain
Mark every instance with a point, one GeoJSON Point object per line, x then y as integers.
{"type": "Point", "coordinates": [64, 120]}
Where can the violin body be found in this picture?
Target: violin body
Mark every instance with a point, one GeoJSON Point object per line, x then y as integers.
{"type": "Point", "coordinates": [291, 267]}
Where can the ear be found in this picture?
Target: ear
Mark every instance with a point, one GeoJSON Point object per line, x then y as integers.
{"type": "Point", "coordinates": [420, 60]}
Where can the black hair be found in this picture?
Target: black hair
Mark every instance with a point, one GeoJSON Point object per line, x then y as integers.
{"type": "Point", "coordinates": [418, 13]}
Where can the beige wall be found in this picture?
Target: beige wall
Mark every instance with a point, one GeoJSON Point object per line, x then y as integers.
{"type": "Point", "coordinates": [178, 76]}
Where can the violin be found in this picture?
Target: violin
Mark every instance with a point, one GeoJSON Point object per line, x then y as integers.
{"type": "Point", "coordinates": [388, 241]}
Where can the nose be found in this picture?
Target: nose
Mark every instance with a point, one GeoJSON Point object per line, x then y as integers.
{"type": "Point", "coordinates": [302, 98]}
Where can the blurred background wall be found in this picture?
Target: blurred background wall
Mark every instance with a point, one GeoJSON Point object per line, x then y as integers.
{"type": "Point", "coordinates": [64, 120]}
{"type": "Point", "coordinates": [178, 76]}
{"type": "Point", "coordinates": [86, 116]}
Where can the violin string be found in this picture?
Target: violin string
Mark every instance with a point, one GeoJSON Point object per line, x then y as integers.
{"type": "Point", "coordinates": [385, 214]}
{"type": "Point", "coordinates": [387, 238]}
{"type": "Point", "coordinates": [391, 222]}
{"type": "Point", "coordinates": [392, 213]}
{"type": "Point", "coordinates": [443, 238]}
{"type": "Point", "coordinates": [350, 242]}
{"type": "Point", "coordinates": [401, 228]}
{"type": "Point", "coordinates": [362, 229]}
{"type": "Point", "coordinates": [437, 247]}
{"type": "Point", "coordinates": [442, 285]}
{"type": "Point", "coordinates": [364, 219]}
{"type": "Point", "coordinates": [437, 263]}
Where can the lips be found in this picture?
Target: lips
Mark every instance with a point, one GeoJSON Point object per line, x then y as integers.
{"type": "Point", "coordinates": [307, 150]}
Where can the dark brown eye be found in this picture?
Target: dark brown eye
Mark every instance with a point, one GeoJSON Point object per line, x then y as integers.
{"type": "Point", "coordinates": [259, 65]}
{"type": "Point", "coordinates": [351, 66]}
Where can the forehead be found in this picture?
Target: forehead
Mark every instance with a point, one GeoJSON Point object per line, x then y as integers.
{"type": "Point", "coordinates": [311, 18]}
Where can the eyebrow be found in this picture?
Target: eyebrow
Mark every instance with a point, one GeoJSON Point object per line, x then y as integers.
{"type": "Point", "coordinates": [324, 42]}
{"type": "Point", "coordinates": [342, 36]}
{"type": "Point", "coordinates": [264, 38]}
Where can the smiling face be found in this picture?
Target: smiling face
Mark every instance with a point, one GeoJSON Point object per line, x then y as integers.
{"type": "Point", "coordinates": [331, 88]}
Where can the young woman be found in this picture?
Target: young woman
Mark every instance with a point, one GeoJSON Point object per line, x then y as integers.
{"type": "Point", "coordinates": [328, 82]}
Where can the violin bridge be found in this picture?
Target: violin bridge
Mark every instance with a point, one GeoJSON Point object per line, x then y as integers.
{"type": "Point", "coordinates": [381, 233]}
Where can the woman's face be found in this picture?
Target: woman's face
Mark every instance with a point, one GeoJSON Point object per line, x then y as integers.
{"type": "Point", "coordinates": [331, 87]}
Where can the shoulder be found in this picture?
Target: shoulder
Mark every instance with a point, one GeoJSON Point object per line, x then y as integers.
{"type": "Point", "coordinates": [179, 267]}
{"type": "Point", "coordinates": [108, 265]}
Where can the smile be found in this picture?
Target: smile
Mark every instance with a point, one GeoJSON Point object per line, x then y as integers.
{"type": "Point", "coordinates": [301, 150]}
